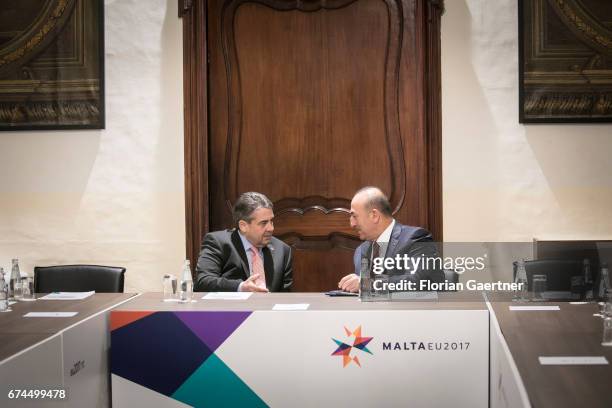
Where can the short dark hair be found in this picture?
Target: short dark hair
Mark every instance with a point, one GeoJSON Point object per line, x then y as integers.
{"type": "Point", "coordinates": [376, 200]}
{"type": "Point", "coordinates": [247, 203]}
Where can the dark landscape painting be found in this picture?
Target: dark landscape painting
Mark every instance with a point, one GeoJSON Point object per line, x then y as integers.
{"type": "Point", "coordinates": [565, 61]}
{"type": "Point", "coordinates": [51, 64]}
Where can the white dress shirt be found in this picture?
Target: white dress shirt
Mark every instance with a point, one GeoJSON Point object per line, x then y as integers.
{"type": "Point", "coordinates": [383, 239]}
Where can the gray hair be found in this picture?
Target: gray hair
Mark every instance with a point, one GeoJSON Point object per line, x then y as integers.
{"type": "Point", "coordinates": [247, 203]}
{"type": "Point", "coordinates": [376, 199]}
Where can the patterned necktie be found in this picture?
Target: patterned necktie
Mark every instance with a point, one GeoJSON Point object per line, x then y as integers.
{"type": "Point", "coordinates": [257, 268]}
{"type": "Point", "coordinates": [375, 252]}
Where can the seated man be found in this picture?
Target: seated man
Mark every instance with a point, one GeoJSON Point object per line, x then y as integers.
{"type": "Point", "coordinates": [371, 216]}
{"type": "Point", "coordinates": [247, 258]}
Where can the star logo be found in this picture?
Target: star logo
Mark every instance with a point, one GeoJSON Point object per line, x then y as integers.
{"type": "Point", "coordinates": [346, 350]}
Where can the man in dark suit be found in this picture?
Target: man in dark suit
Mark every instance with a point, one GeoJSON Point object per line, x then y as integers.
{"type": "Point", "coordinates": [371, 217]}
{"type": "Point", "coordinates": [247, 258]}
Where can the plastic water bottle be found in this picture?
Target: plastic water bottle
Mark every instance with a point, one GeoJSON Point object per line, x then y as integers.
{"type": "Point", "coordinates": [4, 305]}
{"type": "Point", "coordinates": [186, 290]}
{"type": "Point", "coordinates": [521, 294]}
{"type": "Point", "coordinates": [15, 282]}
{"type": "Point", "coordinates": [603, 285]}
{"type": "Point", "coordinates": [588, 280]}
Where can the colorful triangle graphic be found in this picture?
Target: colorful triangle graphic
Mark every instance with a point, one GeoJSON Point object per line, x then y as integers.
{"type": "Point", "coordinates": [212, 328]}
{"type": "Point", "coordinates": [120, 319]}
{"type": "Point", "coordinates": [343, 348]}
{"type": "Point", "coordinates": [214, 384]}
{"type": "Point", "coordinates": [158, 352]}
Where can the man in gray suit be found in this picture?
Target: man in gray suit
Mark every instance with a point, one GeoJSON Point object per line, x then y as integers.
{"type": "Point", "coordinates": [247, 258]}
{"type": "Point", "coordinates": [371, 217]}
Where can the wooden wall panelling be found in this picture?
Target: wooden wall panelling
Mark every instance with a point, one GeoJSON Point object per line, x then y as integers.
{"type": "Point", "coordinates": [308, 102]}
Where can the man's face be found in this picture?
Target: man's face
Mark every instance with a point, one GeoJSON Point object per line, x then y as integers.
{"type": "Point", "coordinates": [259, 230]}
{"type": "Point", "coordinates": [362, 220]}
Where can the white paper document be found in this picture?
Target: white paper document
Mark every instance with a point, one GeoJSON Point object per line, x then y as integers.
{"type": "Point", "coordinates": [573, 360]}
{"type": "Point", "coordinates": [50, 314]}
{"type": "Point", "coordinates": [414, 295]}
{"type": "Point", "coordinates": [68, 295]}
{"type": "Point", "coordinates": [291, 306]}
{"type": "Point", "coordinates": [528, 308]}
{"type": "Point", "coordinates": [227, 296]}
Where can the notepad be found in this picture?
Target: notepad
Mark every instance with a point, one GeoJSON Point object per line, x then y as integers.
{"type": "Point", "coordinates": [573, 360]}
{"type": "Point", "coordinates": [291, 306]}
{"type": "Point", "coordinates": [50, 314]}
{"type": "Point", "coordinates": [533, 308]}
{"type": "Point", "coordinates": [68, 295]}
{"type": "Point", "coordinates": [227, 296]}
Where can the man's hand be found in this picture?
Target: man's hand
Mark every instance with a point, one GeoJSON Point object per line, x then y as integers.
{"type": "Point", "coordinates": [350, 283]}
{"type": "Point", "coordinates": [250, 286]}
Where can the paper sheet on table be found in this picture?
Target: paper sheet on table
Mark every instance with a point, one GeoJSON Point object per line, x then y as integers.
{"type": "Point", "coordinates": [50, 314]}
{"type": "Point", "coordinates": [68, 295]}
{"type": "Point", "coordinates": [414, 295]}
{"type": "Point", "coordinates": [573, 360]}
{"type": "Point", "coordinates": [291, 306]}
{"type": "Point", "coordinates": [532, 308]}
{"type": "Point", "coordinates": [227, 296]}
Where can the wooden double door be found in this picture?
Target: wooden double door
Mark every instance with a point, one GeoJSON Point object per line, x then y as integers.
{"type": "Point", "coordinates": [306, 102]}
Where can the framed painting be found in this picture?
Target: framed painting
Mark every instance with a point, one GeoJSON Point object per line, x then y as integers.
{"type": "Point", "coordinates": [51, 64]}
{"type": "Point", "coordinates": [565, 61]}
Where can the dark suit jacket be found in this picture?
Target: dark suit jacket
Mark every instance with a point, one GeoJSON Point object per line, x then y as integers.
{"type": "Point", "coordinates": [223, 263]}
{"type": "Point", "coordinates": [413, 241]}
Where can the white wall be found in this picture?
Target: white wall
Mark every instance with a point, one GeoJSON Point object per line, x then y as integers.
{"type": "Point", "coordinates": [113, 196]}
{"type": "Point", "coordinates": [116, 196]}
{"type": "Point", "coordinates": [504, 181]}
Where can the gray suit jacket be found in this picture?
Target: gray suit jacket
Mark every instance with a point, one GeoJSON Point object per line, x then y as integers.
{"type": "Point", "coordinates": [223, 263]}
{"type": "Point", "coordinates": [412, 241]}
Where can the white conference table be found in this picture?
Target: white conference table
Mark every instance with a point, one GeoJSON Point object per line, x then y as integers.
{"type": "Point", "coordinates": [338, 352]}
{"type": "Point", "coordinates": [57, 353]}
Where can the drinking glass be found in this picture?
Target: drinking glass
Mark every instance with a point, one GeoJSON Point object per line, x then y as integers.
{"type": "Point", "coordinates": [607, 310]}
{"type": "Point", "coordinates": [374, 288]}
{"type": "Point", "coordinates": [170, 286]}
{"type": "Point", "coordinates": [27, 288]}
{"type": "Point", "coordinates": [607, 332]}
{"type": "Point", "coordinates": [538, 285]}
{"type": "Point", "coordinates": [577, 287]}
{"type": "Point", "coordinates": [17, 290]}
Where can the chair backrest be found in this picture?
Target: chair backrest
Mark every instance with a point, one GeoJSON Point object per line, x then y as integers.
{"type": "Point", "coordinates": [558, 272]}
{"type": "Point", "coordinates": [78, 278]}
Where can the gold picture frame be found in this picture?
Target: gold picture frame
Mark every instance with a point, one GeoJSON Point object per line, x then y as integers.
{"type": "Point", "coordinates": [51, 64]}
{"type": "Point", "coordinates": [565, 61]}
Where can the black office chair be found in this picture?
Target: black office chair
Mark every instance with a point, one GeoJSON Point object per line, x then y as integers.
{"type": "Point", "coordinates": [78, 278]}
{"type": "Point", "coordinates": [558, 272]}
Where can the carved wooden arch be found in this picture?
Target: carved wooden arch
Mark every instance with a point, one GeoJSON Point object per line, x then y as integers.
{"type": "Point", "coordinates": [391, 104]}
{"type": "Point", "coordinates": [195, 51]}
